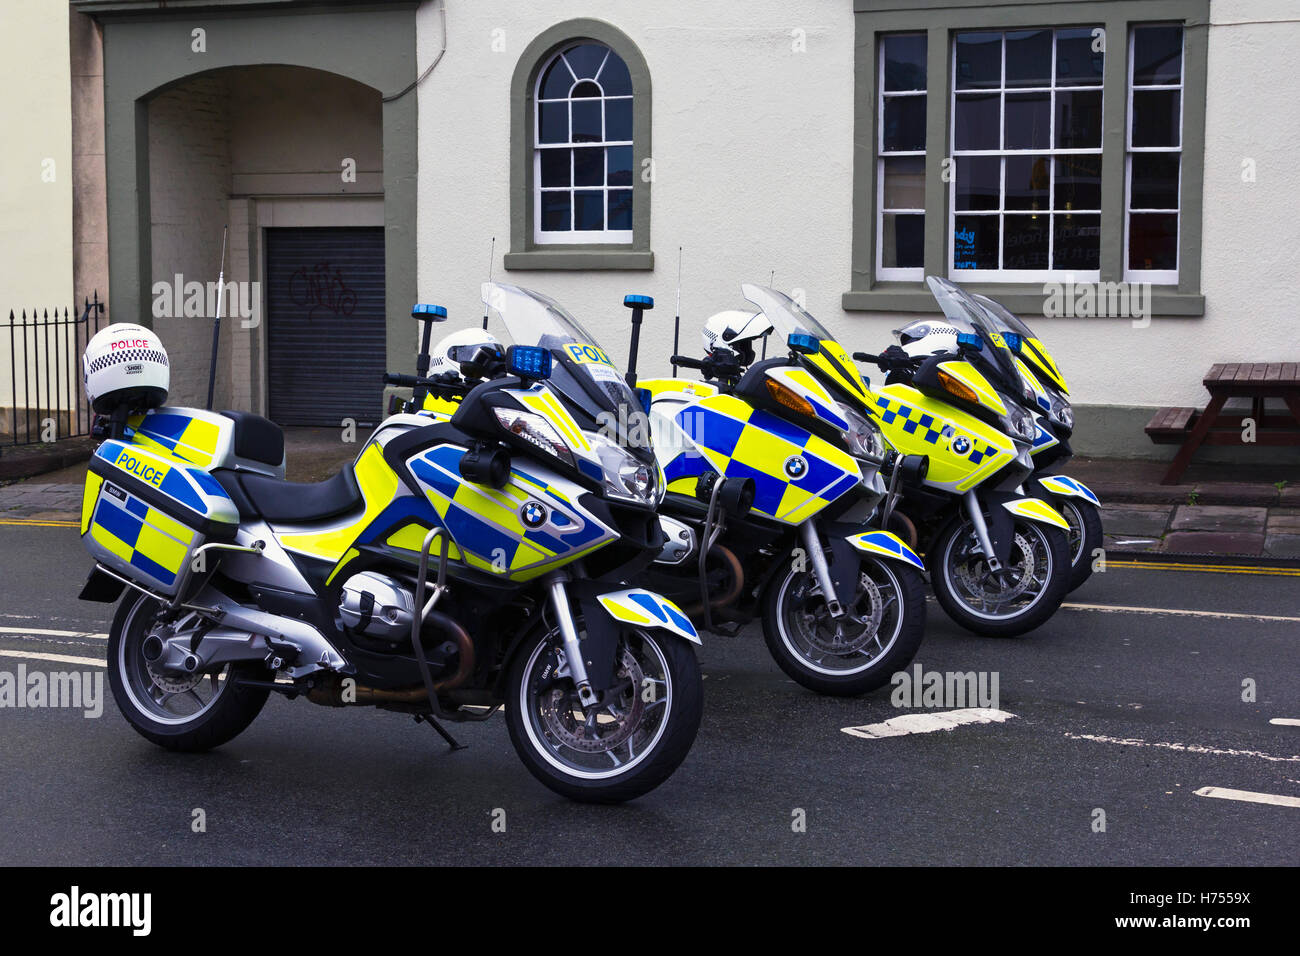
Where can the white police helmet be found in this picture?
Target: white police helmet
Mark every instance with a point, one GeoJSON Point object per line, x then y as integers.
{"type": "Point", "coordinates": [924, 338]}
{"type": "Point", "coordinates": [735, 330]}
{"type": "Point", "coordinates": [125, 366]}
{"type": "Point", "coordinates": [466, 352]}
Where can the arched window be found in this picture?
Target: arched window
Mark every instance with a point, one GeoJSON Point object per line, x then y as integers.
{"type": "Point", "coordinates": [583, 149]}
{"type": "Point", "coordinates": [580, 166]}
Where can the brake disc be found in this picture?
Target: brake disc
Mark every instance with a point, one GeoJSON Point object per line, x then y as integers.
{"type": "Point", "coordinates": [561, 715]}
{"type": "Point", "coordinates": [855, 629]}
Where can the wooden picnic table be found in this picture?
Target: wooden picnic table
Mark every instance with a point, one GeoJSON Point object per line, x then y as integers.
{"type": "Point", "coordinates": [1255, 381]}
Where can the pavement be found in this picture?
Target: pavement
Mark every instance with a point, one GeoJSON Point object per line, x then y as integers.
{"type": "Point", "coordinates": [1154, 720]}
{"type": "Point", "coordinates": [1228, 510]}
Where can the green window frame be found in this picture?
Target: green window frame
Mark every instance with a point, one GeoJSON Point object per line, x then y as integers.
{"type": "Point", "coordinates": [940, 21]}
{"type": "Point", "coordinates": [526, 252]}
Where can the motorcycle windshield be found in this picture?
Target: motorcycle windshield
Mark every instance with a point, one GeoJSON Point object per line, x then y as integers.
{"type": "Point", "coordinates": [831, 360]}
{"type": "Point", "coordinates": [966, 314]}
{"type": "Point", "coordinates": [1033, 351]}
{"type": "Point", "coordinates": [581, 370]}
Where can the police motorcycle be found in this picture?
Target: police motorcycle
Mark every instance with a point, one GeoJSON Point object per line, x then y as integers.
{"type": "Point", "coordinates": [1078, 504]}
{"type": "Point", "coordinates": [999, 560]}
{"type": "Point", "coordinates": [461, 564]}
{"type": "Point", "coordinates": [774, 472]}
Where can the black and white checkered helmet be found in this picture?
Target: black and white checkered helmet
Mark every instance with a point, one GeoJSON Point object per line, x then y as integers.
{"type": "Point", "coordinates": [925, 337]}
{"type": "Point", "coordinates": [125, 365]}
{"type": "Point", "coordinates": [736, 330]}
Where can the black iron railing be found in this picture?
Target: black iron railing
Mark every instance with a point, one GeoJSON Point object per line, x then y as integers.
{"type": "Point", "coordinates": [46, 397]}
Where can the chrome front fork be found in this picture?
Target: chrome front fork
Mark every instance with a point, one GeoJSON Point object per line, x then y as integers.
{"type": "Point", "coordinates": [569, 636]}
{"type": "Point", "coordinates": [821, 571]}
{"type": "Point", "coordinates": [981, 530]}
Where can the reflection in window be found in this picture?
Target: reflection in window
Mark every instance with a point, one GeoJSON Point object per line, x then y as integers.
{"type": "Point", "coordinates": [900, 165]}
{"type": "Point", "coordinates": [1027, 129]}
{"type": "Point", "coordinates": [1155, 135]}
{"type": "Point", "coordinates": [583, 161]}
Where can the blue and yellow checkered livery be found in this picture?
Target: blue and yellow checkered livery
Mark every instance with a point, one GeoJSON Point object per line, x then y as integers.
{"type": "Point", "coordinates": [796, 473]}
{"type": "Point", "coordinates": [963, 450]}
{"type": "Point", "coordinates": [142, 513]}
{"type": "Point", "coordinates": [533, 524]}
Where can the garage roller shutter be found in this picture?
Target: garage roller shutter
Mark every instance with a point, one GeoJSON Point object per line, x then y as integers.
{"type": "Point", "coordinates": [325, 325]}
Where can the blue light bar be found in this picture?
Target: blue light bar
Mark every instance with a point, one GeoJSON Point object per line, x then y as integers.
{"type": "Point", "coordinates": [644, 396]}
{"type": "Point", "coordinates": [528, 361]}
{"type": "Point", "coordinates": [803, 343]}
{"type": "Point", "coordinates": [1012, 339]}
{"type": "Point", "coordinates": [638, 302]}
{"type": "Point", "coordinates": [424, 311]}
{"type": "Point", "coordinates": [970, 340]}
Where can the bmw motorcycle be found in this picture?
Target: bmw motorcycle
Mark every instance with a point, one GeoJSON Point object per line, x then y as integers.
{"type": "Point", "coordinates": [1051, 451]}
{"type": "Point", "coordinates": [461, 564]}
{"type": "Point", "coordinates": [773, 473]}
{"type": "Point", "coordinates": [999, 561]}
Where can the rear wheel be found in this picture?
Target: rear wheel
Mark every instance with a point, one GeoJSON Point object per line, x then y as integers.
{"type": "Point", "coordinates": [878, 635]}
{"type": "Point", "coordinates": [621, 748]}
{"type": "Point", "coordinates": [1085, 536]}
{"type": "Point", "coordinates": [1018, 598]}
{"type": "Point", "coordinates": [187, 712]}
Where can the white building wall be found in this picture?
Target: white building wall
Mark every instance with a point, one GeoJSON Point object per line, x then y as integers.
{"type": "Point", "coordinates": [36, 179]}
{"type": "Point", "coordinates": [753, 150]}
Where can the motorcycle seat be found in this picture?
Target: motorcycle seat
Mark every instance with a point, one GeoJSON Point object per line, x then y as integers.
{"type": "Point", "coordinates": [298, 502]}
{"type": "Point", "coordinates": [257, 438]}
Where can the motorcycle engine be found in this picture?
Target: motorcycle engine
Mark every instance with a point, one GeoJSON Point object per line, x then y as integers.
{"type": "Point", "coordinates": [377, 606]}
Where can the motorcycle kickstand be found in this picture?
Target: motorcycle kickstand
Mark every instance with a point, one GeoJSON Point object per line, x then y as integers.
{"type": "Point", "coordinates": [432, 721]}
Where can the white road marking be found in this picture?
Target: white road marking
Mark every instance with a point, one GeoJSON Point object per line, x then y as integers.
{"type": "Point", "coordinates": [924, 723]}
{"type": "Point", "coordinates": [35, 631]}
{"type": "Point", "coordinates": [1285, 721]}
{"type": "Point", "coordinates": [1248, 796]}
{"type": "Point", "coordinates": [58, 658]}
{"type": "Point", "coordinates": [1182, 612]}
{"type": "Point", "coordinates": [1188, 748]}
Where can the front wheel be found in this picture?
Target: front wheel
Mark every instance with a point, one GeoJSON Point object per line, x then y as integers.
{"type": "Point", "coordinates": [877, 636]}
{"type": "Point", "coordinates": [1085, 536]}
{"type": "Point", "coordinates": [623, 747]}
{"type": "Point", "coordinates": [1018, 598]}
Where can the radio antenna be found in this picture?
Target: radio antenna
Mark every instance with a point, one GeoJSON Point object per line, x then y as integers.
{"type": "Point", "coordinates": [492, 254]}
{"type": "Point", "coordinates": [216, 323]}
{"type": "Point", "coordinates": [677, 319]}
{"type": "Point", "coordinates": [771, 283]}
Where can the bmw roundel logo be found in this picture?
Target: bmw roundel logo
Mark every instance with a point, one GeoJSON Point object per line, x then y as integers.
{"type": "Point", "coordinates": [796, 466]}
{"type": "Point", "coordinates": [533, 514]}
{"type": "Point", "coordinates": [961, 444]}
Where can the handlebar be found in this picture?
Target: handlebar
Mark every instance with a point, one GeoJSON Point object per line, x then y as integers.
{"type": "Point", "coordinates": [684, 361]}
{"type": "Point", "coordinates": [437, 385]}
{"type": "Point", "coordinates": [916, 361]}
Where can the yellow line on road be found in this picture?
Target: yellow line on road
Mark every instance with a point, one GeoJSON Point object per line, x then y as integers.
{"type": "Point", "coordinates": [40, 523]}
{"type": "Point", "coordinates": [1220, 568]}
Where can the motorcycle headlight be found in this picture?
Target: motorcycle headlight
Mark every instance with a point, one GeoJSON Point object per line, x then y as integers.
{"type": "Point", "coordinates": [1061, 412]}
{"type": "Point", "coordinates": [862, 436]}
{"type": "Point", "coordinates": [535, 430]}
{"type": "Point", "coordinates": [1019, 423]}
{"type": "Point", "coordinates": [626, 476]}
